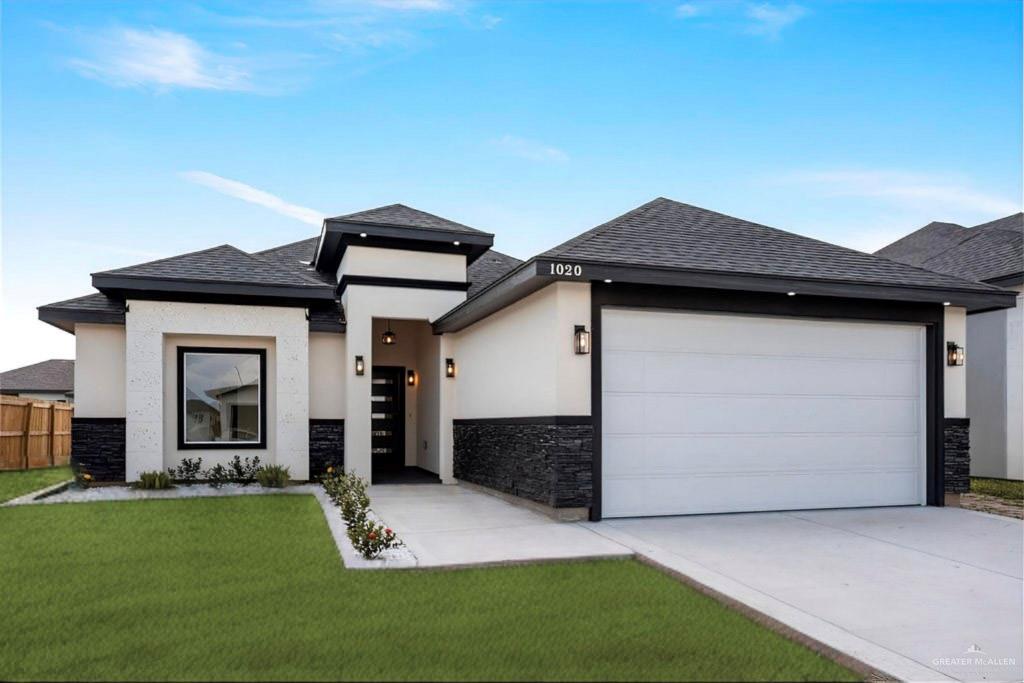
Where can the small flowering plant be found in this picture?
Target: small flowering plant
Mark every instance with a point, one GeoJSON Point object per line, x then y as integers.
{"type": "Point", "coordinates": [83, 479]}
{"type": "Point", "coordinates": [370, 539]}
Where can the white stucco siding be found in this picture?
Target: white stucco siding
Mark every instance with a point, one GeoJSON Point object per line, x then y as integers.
{"type": "Point", "coordinates": [149, 377]}
{"type": "Point", "coordinates": [327, 376]}
{"type": "Point", "coordinates": [955, 378]}
{"type": "Point", "coordinates": [1015, 389]}
{"type": "Point", "coordinates": [99, 370]}
{"type": "Point", "coordinates": [403, 263]}
{"type": "Point", "coordinates": [520, 362]}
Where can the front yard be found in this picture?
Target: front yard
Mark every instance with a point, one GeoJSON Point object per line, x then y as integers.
{"type": "Point", "coordinates": [252, 588]}
{"type": "Point", "coordinates": [17, 483]}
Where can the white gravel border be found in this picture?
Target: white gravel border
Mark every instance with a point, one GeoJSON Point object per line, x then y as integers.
{"type": "Point", "coordinates": [396, 558]}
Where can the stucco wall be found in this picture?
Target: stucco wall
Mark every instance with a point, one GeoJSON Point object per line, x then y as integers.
{"type": "Point", "coordinates": [364, 303]}
{"type": "Point", "coordinates": [418, 265]}
{"type": "Point", "coordinates": [1015, 389]}
{"type": "Point", "coordinates": [327, 376]}
{"type": "Point", "coordinates": [147, 325]}
{"type": "Point", "coordinates": [99, 370]}
{"type": "Point", "coordinates": [519, 362]}
{"type": "Point", "coordinates": [955, 378]}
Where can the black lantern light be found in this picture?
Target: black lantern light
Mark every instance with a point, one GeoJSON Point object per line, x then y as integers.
{"type": "Point", "coordinates": [360, 366]}
{"type": "Point", "coordinates": [410, 378]}
{"type": "Point", "coordinates": [388, 338]}
{"type": "Point", "coordinates": [449, 367]}
{"type": "Point", "coordinates": [954, 354]}
{"type": "Point", "coordinates": [581, 339]}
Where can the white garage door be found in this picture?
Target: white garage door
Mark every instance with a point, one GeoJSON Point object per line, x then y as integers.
{"type": "Point", "coordinates": [729, 413]}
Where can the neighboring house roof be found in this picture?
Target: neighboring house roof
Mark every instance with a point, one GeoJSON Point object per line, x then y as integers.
{"type": "Point", "coordinates": [55, 375]}
{"type": "Point", "coordinates": [989, 252]}
{"type": "Point", "coordinates": [400, 215]}
{"type": "Point", "coordinates": [488, 268]}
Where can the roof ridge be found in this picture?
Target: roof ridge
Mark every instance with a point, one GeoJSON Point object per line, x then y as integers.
{"type": "Point", "coordinates": [169, 258]}
{"type": "Point", "coordinates": [284, 246]}
{"type": "Point", "coordinates": [587, 235]}
{"type": "Point", "coordinates": [282, 270]}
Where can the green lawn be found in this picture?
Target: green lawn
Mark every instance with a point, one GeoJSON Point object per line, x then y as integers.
{"type": "Point", "coordinates": [252, 588]}
{"type": "Point", "coordinates": [1000, 488]}
{"type": "Point", "coordinates": [19, 482]}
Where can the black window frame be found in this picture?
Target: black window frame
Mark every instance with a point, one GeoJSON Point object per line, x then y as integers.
{"type": "Point", "coordinates": [184, 445]}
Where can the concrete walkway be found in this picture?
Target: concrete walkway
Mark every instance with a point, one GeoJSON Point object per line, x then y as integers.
{"type": "Point", "coordinates": [451, 526]}
{"type": "Point", "coordinates": [920, 593]}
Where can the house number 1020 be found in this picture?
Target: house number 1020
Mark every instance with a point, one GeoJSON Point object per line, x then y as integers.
{"type": "Point", "coordinates": [566, 269]}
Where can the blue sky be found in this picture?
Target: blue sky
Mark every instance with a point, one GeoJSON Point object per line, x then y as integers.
{"type": "Point", "coordinates": [133, 131]}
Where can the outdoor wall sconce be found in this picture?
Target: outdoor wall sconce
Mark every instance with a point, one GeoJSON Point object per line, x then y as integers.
{"type": "Point", "coordinates": [388, 338]}
{"type": "Point", "coordinates": [360, 366]}
{"type": "Point", "coordinates": [581, 339]}
{"type": "Point", "coordinates": [410, 378]}
{"type": "Point", "coordinates": [954, 354]}
{"type": "Point", "coordinates": [449, 367]}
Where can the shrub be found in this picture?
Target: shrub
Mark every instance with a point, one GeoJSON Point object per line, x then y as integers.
{"type": "Point", "coordinates": [272, 477]}
{"type": "Point", "coordinates": [243, 472]}
{"type": "Point", "coordinates": [371, 539]}
{"type": "Point", "coordinates": [83, 479]}
{"type": "Point", "coordinates": [188, 471]}
{"type": "Point", "coordinates": [348, 492]}
{"type": "Point", "coordinates": [153, 480]}
{"type": "Point", "coordinates": [217, 476]}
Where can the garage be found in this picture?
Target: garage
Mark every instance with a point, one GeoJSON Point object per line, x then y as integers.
{"type": "Point", "coordinates": [710, 413]}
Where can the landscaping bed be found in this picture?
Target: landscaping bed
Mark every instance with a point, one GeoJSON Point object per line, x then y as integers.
{"type": "Point", "coordinates": [250, 588]}
{"type": "Point", "coordinates": [996, 496]}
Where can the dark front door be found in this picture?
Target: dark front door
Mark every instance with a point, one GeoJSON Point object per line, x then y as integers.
{"type": "Point", "coordinates": [387, 419]}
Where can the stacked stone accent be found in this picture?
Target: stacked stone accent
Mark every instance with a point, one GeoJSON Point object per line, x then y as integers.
{"type": "Point", "coordinates": [957, 442]}
{"type": "Point", "coordinates": [98, 447]}
{"type": "Point", "coordinates": [547, 463]}
{"type": "Point", "coordinates": [326, 446]}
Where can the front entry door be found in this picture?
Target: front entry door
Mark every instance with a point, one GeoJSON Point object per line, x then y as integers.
{"type": "Point", "coordinates": [387, 419]}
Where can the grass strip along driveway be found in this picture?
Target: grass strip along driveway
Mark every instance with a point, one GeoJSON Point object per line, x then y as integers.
{"type": "Point", "coordinates": [252, 588]}
{"type": "Point", "coordinates": [17, 483]}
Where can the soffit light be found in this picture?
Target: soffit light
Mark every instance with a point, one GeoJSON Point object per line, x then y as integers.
{"type": "Point", "coordinates": [362, 234]}
{"type": "Point", "coordinates": [945, 303]}
{"type": "Point", "coordinates": [456, 243]}
{"type": "Point", "coordinates": [790, 293]}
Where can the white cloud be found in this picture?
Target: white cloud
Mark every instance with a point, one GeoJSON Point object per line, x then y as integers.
{"type": "Point", "coordinates": [130, 57]}
{"type": "Point", "coordinates": [769, 20]}
{"type": "Point", "coordinates": [248, 193]}
{"type": "Point", "coordinates": [688, 10]}
{"type": "Point", "coordinates": [489, 21]}
{"type": "Point", "coordinates": [913, 190]}
{"type": "Point", "coordinates": [530, 149]}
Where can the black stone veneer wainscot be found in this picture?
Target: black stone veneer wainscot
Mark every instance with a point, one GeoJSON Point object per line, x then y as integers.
{"type": "Point", "coordinates": [326, 446]}
{"type": "Point", "coordinates": [97, 447]}
{"type": "Point", "coordinates": [548, 460]}
{"type": "Point", "coordinates": [957, 442]}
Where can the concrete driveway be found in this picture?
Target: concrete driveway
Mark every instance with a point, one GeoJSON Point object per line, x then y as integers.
{"type": "Point", "coordinates": [921, 593]}
{"type": "Point", "coordinates": [447, 526]}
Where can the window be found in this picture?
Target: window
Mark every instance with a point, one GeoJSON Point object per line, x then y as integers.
{"type": "Point", "coordinates": [222, 398]}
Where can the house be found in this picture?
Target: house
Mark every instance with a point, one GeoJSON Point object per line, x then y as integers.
{"type": "Point", "coordinates": [992, 253]}
{"type": "Point", "coordinates": [672, 360]}
{"type": "Point", "coordinates": [50, 380]}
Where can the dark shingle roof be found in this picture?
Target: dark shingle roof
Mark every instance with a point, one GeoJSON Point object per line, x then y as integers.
{"type": "Point", "coordinates": [488, 268]}
{"type": "Point", "coordinates": [93, 303]}
{"type": "Point", "coordinates": [50, 375]}
{"type": "Point", "coordinates": [217, 264]}
{"type": "Point", "coordinates": [296, 257]}
{"type": "Point", "coordinates": [407, 217]}
{"type": "Point", "coordinates": [989, 251]}
{"type": "Point", "coordinates": [668, 234]}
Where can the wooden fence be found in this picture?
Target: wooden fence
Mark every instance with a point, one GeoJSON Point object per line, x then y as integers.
{"type": "Point", "coordinates": [34, 433]}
